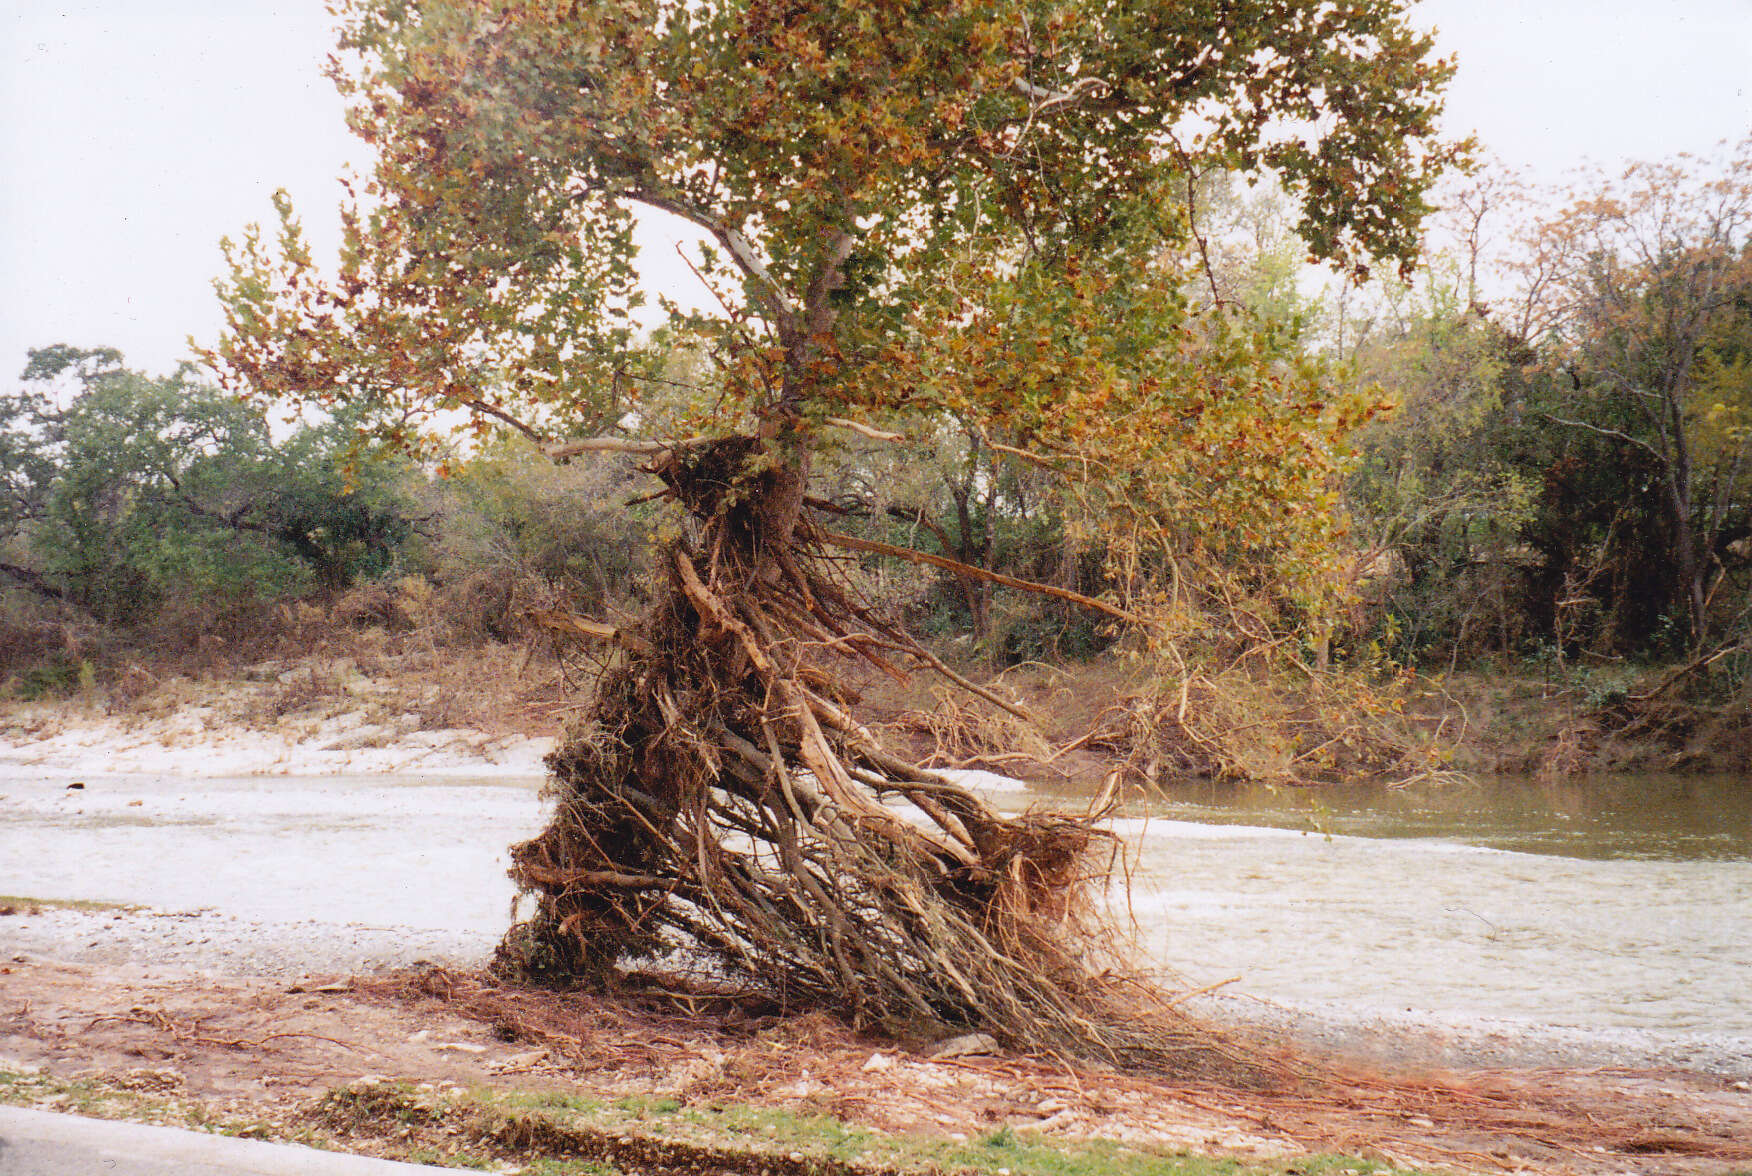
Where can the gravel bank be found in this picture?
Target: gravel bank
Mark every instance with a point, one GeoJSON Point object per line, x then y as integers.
{"type": "Point", "coordinates": [1420, 1041]}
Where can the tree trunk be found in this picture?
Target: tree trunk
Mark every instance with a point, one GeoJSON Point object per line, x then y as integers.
{"type": "Point", "coordinates": [1690, 567]}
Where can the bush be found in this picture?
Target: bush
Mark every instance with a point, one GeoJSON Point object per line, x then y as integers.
{"type": "Point", "coordinates": [515, 530]}
{"type": "Point", "coordinates": [59, 677]}
{"type": "Point", "coordinates": [152, 502]}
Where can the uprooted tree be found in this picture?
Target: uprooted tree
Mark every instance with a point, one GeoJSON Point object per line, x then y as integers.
{"type": "Point", "coordinates": [964, 207]}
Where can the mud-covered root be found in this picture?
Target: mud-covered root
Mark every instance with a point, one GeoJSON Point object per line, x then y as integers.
{"type": "Point", "coordinates": [722, 813]}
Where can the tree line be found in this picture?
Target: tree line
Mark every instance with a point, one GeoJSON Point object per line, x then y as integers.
{"type": "Point", "coordinates": [1562, 474]}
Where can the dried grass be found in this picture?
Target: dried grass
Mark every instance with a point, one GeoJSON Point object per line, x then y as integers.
{"type": "Point", "coordinates": [965, 732]}
{"type": "Point", "coordinates": [1263, 725]}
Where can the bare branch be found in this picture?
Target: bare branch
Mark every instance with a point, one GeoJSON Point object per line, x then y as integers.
{"type": "Point", "coordinates": [559, 451]}
{"type": "Point", "coordinates": [818, 308]}
{"type": "Point", "coordinates": [768, 290]}
{"type": "Point", "coordinates": [1616, 433]}
{"type": "Point", "coordinates": [34, 581]}
{"type": "Point", "coordinates": [1043, 100]}
{"type": "Point", "coordinates": [1689, 668]}
{"type": "Point", "coordinates": [853, 543]}
{"type": "Point", "coordinates": [499, 414]}
{"type": "Point", "coordinates": [574, 626]}
{"type": "Point", "coordinates": [864, 430]}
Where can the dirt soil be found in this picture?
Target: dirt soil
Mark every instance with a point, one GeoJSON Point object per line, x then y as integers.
{"type": "Point", "coordinates": [272, 1054]}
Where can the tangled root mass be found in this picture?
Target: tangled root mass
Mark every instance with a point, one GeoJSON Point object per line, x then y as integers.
{"type": "Point", "coordinates": [721, 807]}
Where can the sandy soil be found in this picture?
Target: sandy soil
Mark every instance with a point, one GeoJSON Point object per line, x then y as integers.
{"type": "Point", "coordinates": [318, 716]}
{"type": "Point", "coordinates": [196, 742]}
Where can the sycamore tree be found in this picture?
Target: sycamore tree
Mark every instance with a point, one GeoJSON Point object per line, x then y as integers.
{"type": "Point", "coordinates": [906, 210]}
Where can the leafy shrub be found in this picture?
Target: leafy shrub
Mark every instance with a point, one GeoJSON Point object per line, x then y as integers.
{"type": "Point", "coordinates": [517, 530]}
{"type": "Point", "coordinates": [60, 677]}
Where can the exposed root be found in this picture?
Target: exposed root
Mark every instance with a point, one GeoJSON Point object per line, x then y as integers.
{"type": "Point", "coordinates": [721, 812]}
{"type": "Point", "coordinates": [1578, 1121]}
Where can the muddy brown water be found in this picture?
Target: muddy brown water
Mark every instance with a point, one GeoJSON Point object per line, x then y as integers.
{"type": "Point", "coordinates": [1621, 903]}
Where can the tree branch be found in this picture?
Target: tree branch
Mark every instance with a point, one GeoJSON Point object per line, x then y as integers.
{"type": "Point", "coordinates": [34, 581]}
{"type": "Point", "coordinates": [1616, 433]}
{"type": "Point", "coordinates": [556, 621]}
{"type": "Point", "coordinates": [853, 543]}
{"type": "Point", "coordinates": [498, 414]}
{"type": "Point", "coordinates": [561, 450]}
{"type": "Point", "coordinates": [1689, 668]}
{"type": "Point", "coordinates": [818, 308]}
{"type": "Point", "coordinates": [731, 238]}
{"type": "Point", "coordinates": [864, 430]}
{"type": "Point", "coordinates": [1041, 100]}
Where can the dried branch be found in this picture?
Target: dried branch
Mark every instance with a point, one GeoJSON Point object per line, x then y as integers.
{"type": "Point", "coordinates": [574, 626]}
{"type": "Point", "coordinates": [875, 547]}
{"type": "Point", "coordinates": [1617, 434]}
{"type": "Point", "coordinates": [559, 451]}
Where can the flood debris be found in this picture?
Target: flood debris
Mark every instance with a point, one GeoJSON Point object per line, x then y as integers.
{"type": "Point", "coordinates": [721, 815]}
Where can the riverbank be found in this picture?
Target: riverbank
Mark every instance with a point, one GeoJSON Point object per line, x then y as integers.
{"type": "Point", "coordinates": [105, 1001]}
{"type": "Point", "coordinates": [106, 940]}
{"type": "Point", "coordinates": [440, 1066]}
{"type": "Point", "coordinates": [317, 716]}
{"type": "Point", "coordinates": [1523, 901]}
{"type": "Point", "coordinates": [375, 702]}
{"type": "Point", "coordinates": [244, 1012]}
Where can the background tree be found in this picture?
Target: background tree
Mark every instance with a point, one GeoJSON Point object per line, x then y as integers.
{"type": "Point", "coordinates": [133, 497]}
{"type": "Point", "coordinates": [1653, 291]}
{"type": "Point", "coordinates": [919, 208]}
{"type": "Point", "coordinates": [1565, 474]}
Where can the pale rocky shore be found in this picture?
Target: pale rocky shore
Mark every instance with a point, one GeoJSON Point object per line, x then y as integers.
{"type": "Point", "coordinates": [213, 944]}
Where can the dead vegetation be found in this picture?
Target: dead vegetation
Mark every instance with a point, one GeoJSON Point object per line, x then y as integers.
{"type": "Point", "coordinates": [1499, 1120]}
{"type": "Point", "coordinates": [960, 732]}
{"type": "Point", "coordinates": [721, 813]}
{"type": "Point", "coordinates": [1286, 724]}
{"type": "Point", "coordinates": [433, 1064]}
{"type": "Point", "coordinates": [398, 658]}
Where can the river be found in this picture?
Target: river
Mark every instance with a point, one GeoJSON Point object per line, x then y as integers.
{"type": "Point", "coordinates": [1609, 903]}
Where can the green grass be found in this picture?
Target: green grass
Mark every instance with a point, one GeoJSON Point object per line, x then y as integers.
{"type": "Point", "coordinates": [828, 1144]}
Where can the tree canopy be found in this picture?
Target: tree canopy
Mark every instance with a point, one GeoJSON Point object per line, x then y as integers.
{"type": "Point", "coordinates": [141, 494]}
{"type": "Point", "coordinates": [862, 172]}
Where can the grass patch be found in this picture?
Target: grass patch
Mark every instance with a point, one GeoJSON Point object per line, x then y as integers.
{"type": "Point", "coordinates": [563, 1135]}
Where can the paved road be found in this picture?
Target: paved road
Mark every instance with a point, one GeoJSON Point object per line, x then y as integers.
{"type": "Point", "coordinates": [39, 1143]}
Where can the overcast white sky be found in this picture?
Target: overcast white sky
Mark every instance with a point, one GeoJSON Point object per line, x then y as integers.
{"type": "Point", "coordinates": [135, 135]}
